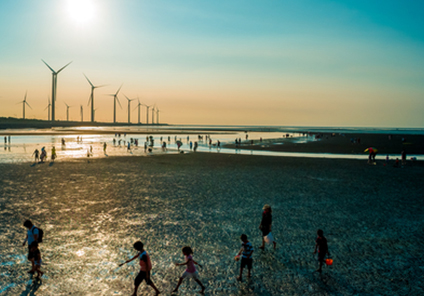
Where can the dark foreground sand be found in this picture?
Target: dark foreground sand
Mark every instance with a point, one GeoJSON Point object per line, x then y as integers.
{"type": "Point", "coordinates": [93, 212]}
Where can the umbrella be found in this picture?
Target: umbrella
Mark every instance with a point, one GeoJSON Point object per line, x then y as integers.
{"type": "Point", "coordinates": [371, 149]}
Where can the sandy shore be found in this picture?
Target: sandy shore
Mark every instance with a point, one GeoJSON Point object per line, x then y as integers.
{"type": "Point", "coordinates": [413, 144]}
{"type": "Point", "coordinates": [93, 211]}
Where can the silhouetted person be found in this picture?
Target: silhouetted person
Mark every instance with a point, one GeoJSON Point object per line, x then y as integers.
{"type": "Point", "coordinates": [145, 268]}
{"type": "Point", "coordinates": [32, 236]}
{"type": "Point", "coordinates": [36, 155]}
{"type": "Point", "coordinates": [322, 246]}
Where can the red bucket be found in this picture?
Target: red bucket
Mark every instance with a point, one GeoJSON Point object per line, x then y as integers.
{"type": "Point", "coordinates": [329, 262]}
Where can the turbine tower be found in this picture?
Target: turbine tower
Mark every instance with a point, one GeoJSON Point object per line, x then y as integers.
{"type": "Point", "coordinates": [48, 108]}
{"type": "Point", "coordinates": [92, 97]}
{"type": "Point", "coordinates": [147, 112]}
{"type": "Point", "coordinates": [67, 111]}
{"type": "Point", "coordinates": [138, 106]}
{"type": "Point", "coordinates": [24, 102]}
{"type": "Point", "coordinates": [129, 108]}
{"type": "Point", "coordinates": [153, 114]}
{"type": "Point", "coordinates": [54, 87]}
{"type": "Point", "coordinates": [82, 113]}
{"type": "Point", "coordinates": [157, 115]}
{"type": "Point", "coordinates": [115, 98]}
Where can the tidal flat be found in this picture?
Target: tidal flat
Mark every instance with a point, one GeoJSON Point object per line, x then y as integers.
{"type": "Point", "coordinates": [92, 211]}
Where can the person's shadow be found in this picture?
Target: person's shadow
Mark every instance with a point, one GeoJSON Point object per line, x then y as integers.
{"type": "Point", "coordinates": [51, 163]}
{"type": "Point", "coordinates": [32, 287]}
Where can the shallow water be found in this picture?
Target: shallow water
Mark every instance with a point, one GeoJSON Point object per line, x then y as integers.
{"type": "Point", "coordinates": [22, 147]}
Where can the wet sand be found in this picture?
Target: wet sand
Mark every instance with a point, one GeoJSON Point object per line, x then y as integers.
{"type": "Point", "coordinates": [341, 144]}
{"type": "Point", "coordinates": [92, 212]}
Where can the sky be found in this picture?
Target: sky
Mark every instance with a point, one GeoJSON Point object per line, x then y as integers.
{"type": "Point", "coordinates": [222, 62]}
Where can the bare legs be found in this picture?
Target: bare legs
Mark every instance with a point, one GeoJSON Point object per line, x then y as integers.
{"type": "Point", "coordinates": [196, 280]}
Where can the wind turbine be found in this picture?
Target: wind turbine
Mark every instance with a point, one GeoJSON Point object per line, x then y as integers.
{"type": "Point", "coordinates": [115, 98]}
{"type": "Point", "coordinates": [92, 97]}
{"type": "Point", "coordinates": [82, 113]}
{"type": "Point", "coordinates": [67, 111]}
{"type": "Point", "coordinates": [129, 108]}
{"type": "Point", "coordinates": [153, 114]}
{"type": "Point", "coordinates": [48, 108]}
{"type": "Point", "coordinates": [54, 86]}
{"type": "Point", "coordinates": [24, 102]}
{"type": "Point", "coordinates": [138, 106]}
{"type": "Point", "coordinates": [147, 112]}
{"type": "Point", "coordinates": [157, 115]}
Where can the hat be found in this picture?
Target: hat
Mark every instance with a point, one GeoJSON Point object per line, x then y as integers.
{"type": "Point", "coordinates": [266, 207]}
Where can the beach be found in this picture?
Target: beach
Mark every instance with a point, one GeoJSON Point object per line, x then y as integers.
{"type": "Point", "coordinates": [93, 210]}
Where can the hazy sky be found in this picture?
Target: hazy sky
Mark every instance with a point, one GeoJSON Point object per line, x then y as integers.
{"type": "Point", "coordinates": [332, 63]}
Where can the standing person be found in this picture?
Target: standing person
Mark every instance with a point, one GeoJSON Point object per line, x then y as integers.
{"type": "Point", "coordinates": [43, 154]}
{"type": "Point", "coordinates": [53, 153]}
{"type": "Point", "coordinates": [145, 147]}
{"type": "Point", "coordinates": [322, 246]}
{"type": "Point", "coordinates": [403, 154]}
{"type": "Point", "coordinates": [246, 260]}
{"type": "Point", "coordinates": [32, 236]}
{"type": "Point", "coordinates": [128, 146]}
{"type": "Point", "coordinates": [9, 140]}
{"type": "Point", "coordinates": [265, 225]}
{"type": "Point", "coordinates": [195, 146]}
{"type": "Point", "coordinates": [91, 150]}
{"type": "Point", "coordinates": [5, 140]}
{"type": "Point", "coordinates": [145, 268]}
{"type": "Point", "coordinates": [191, 145]}
{"type": "Point", "coordinates": [36, 155]}
{"type": "Point", "coordinates": [104, 147]}
{"type": "Point", "coordinates": [36, 256]}
{"type": "Point", "coordinates": [190, 271]}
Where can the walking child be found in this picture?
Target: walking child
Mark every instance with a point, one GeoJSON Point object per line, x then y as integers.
{"type": "Point", "coordinates": [145, 268]}
{"type": "Point", "coordinates": [190, 271]}
{"type": "Point", "coordinates": [36, 257]}
{"type": "Point", "coordinates": [321, 245]}
{"type": "Point", "coordinates": [246, 260]}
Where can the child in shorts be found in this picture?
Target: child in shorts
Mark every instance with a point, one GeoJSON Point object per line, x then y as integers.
{"type": "Point", "coordinates": [246, 260]}
{"type": "Point", "coordinates": [190, 271]}
{"type": "Point", "coordinates": [145, 268]}
{"type": "Point", "coordinates": [321, 245]}
{"type": "Point", "coordinates": [36, 256]}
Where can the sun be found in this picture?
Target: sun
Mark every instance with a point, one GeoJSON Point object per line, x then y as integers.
{"type": "Point", "coordinates": [81, 11]}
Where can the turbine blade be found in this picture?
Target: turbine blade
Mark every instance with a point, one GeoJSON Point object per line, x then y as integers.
{"type": "Point", "coordinates": [48, 66]}
{"type": "Point", "coordinates": [46, 108]}
{"type": "Point", "coordinates": [28, 105]}
{"type": "Point", "coordinates": [100, 85]}
{"type": "Point", "coordinates": [25, 96]}
{"type": "Point", "coordinates": [88, 80]}
{"type": "Point", "coordinates": [119, 89]}
{"type": "Point", "coordinates": [119, 102]}
{"type": "Point", "coordinates": [135, 108]}
{"type": "Point", "coordinates": [63, 67]}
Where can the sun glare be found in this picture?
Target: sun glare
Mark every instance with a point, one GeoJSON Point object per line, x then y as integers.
{"type": "Point", "coordinates": [81, 11]}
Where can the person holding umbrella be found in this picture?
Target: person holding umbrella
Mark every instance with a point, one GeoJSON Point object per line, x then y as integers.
{"type": "Point", "coordinates": [372, 153]}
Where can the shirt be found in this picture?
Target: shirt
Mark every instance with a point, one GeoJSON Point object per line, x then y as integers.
{"type": "Point", "coordinates": [247, 250]}
{"type": "Point", "coordinates": [322, 245]}
{"type": "Point", "coordinates": [190, 265]}
{"type": "Point", "coordinates": [31, 234]}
